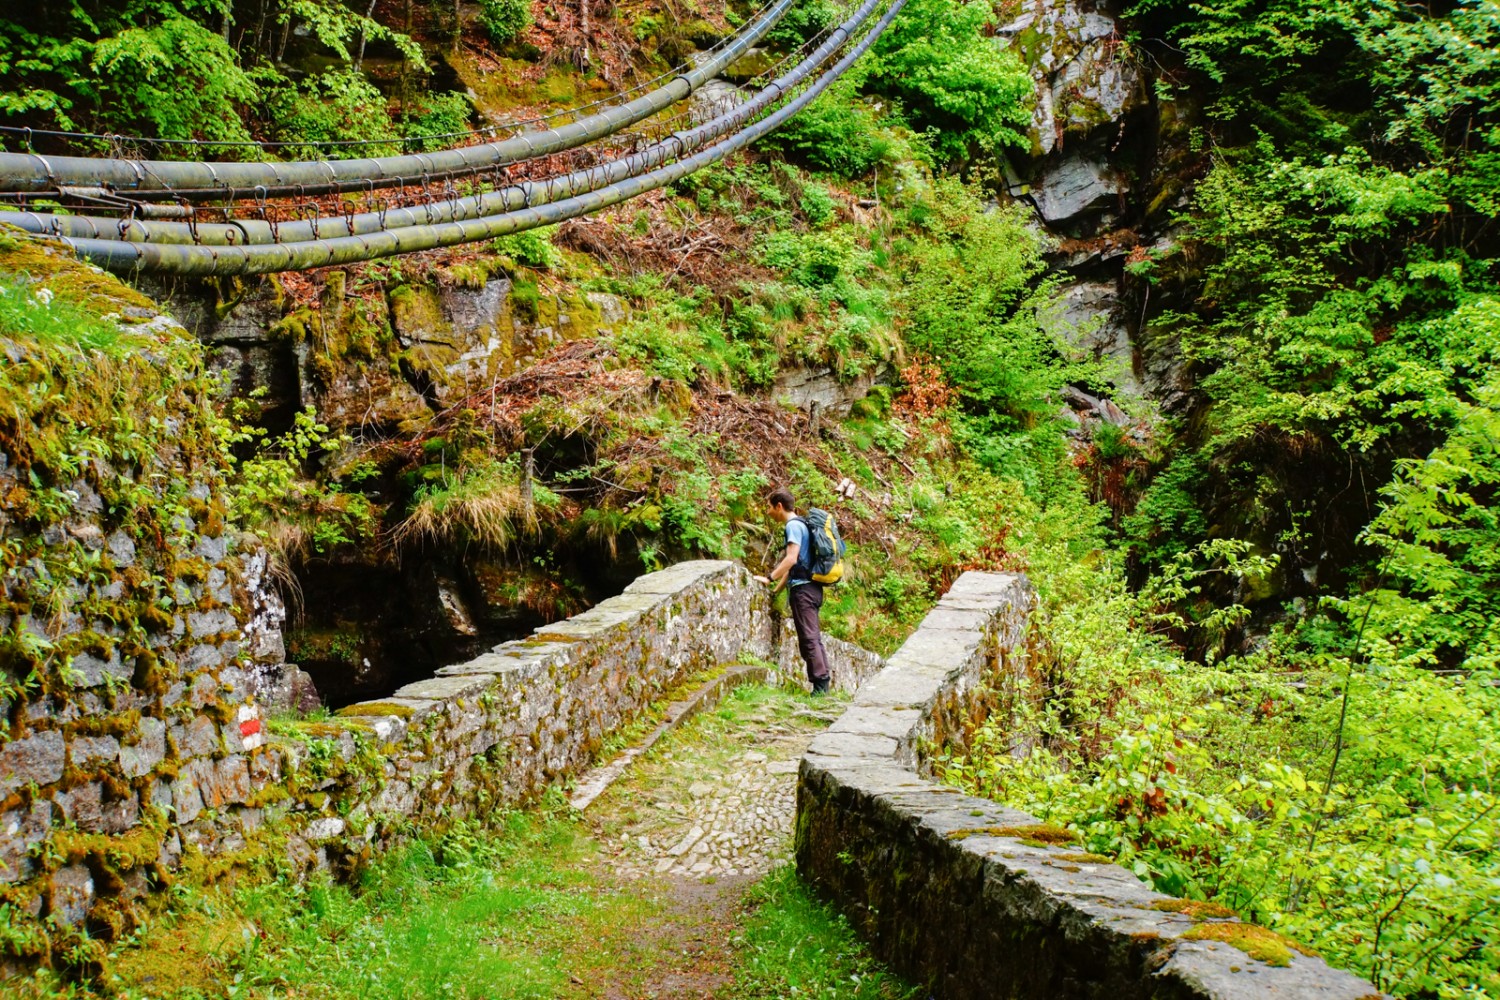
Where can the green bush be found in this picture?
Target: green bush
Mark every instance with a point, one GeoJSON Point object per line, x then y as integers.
{"type": "Point", "coordinates": [433, 116]}
{"type": "Point", "coordinates": [504, 20]}
{"type": "Point", "coordinates": [938, 60]}
{"type": "Point", "coordinates": [530, 247]}
{"type": "Point", "coordinates": [338, 105]}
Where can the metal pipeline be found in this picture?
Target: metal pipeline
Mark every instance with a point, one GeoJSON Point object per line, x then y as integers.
{"type": "Point", "coordinates": [32, 172]}
{"type": "Point", "coordinates": [177, 259]}
{"type": "Point", "coordinates": [526, 194]}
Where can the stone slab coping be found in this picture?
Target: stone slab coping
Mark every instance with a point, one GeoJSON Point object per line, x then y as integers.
{"type": "Point", "coordinates": [1029, 890]}
{"type": "Point", "coordinates": [550, 647]}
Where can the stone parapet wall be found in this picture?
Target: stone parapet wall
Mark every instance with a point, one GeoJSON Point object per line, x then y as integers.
{"type": "Point", "coordinates": [957, 891]}
{"type": "Point", "coordinates": [499, 729]}
{"type": "Point", "coordinates": [850, 665]}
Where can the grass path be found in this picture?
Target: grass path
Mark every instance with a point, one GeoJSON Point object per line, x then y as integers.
{"type": "Point", "coordinates": [546, 904]}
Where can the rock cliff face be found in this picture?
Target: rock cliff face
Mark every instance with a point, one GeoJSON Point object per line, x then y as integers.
{"type": "Point", "coordinates": [377, 362]}
{"type": "Point", "coordinates": [1107, 167]}
{"type": "Point", "coordinates": [380, 361]}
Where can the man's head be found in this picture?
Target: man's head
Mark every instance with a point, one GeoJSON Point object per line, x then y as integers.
{"type": "Point", "coordinates": [781, 503]}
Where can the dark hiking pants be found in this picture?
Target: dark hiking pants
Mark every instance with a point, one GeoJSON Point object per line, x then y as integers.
{"type": "Point", "coordinates": [805, 600]}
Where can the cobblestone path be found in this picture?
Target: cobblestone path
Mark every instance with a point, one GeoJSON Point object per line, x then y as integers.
{"type": "Point", "coordinates": [703, 815]}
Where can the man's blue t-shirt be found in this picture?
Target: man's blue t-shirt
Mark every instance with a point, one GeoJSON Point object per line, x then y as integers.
{"type": "Point", "coordinates": [796, 531]}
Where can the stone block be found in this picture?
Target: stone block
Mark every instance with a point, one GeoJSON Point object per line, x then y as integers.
{"type": "Point", "coordinates": [121, 548]}
{"type": "Point", "coordinates": [324, 829]}
{"type": "Point", "coordinates": [91, 751]}
{"type": "Point", "coordinates": [187, 789]}
{"type": "Point", "coordinates": [208, 623]}
{"type": "Point", "coordinates": [229, 783]}
{"type": "Point", "coordinates": [120, 815]}
{"type": "Point", "coordinates": [88, 670]}
{"type": "Point", "coordinates": [488, 663]}
{"type": "Point", "coordinates": [940, 649]}
{"type": "Point", "coordinates": [71, 894]}
{"type": "Point", "coordinates": [147, 751]}
{"type": "Point", "coordinates": [21, 829]}
{"type": "Point", "coordinates": [212, 549]}
{"type": "Point", "coordinates": [36, 760]}
{"type": "Point", "coordinates": [200, 737]}
{"type": "Point", "coordinates": [83, 805]}
{"type": "Point", "coordinates": [445, 688]}
{"type": "Point", "coordinates": [204, 690]}
{"type": "Point", "coordinates": [201, 657]}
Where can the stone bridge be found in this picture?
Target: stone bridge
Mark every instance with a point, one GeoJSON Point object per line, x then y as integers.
{"type": "Point", "coordinates": [950, 890]}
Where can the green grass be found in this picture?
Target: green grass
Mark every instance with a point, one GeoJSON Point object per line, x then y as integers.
{"type": "Point", "coordinates": [492, 914]}
{"type": "Point", "coordinates": [795, 945]}
{"type": "Point", "coordinates": [32, 312]}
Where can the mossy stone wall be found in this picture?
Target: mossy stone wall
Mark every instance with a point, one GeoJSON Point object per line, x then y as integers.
{"type": "Point", "coordinates": [130, 612]}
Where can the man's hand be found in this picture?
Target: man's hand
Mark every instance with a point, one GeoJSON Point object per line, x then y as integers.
{"type": "Point", "coordinates": [762, 579]}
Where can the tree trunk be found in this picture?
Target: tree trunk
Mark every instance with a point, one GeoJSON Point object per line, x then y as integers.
{"type": "Point", "coordinates": [286, 33]}
{"type": "Point", "coordinates": [359, 60]}
{"type": "Point", "coordinates": [584, 28]}
{"type": "Point", "coordinates": [260, 29]}
{"type": "Point", "coordinates": [528, 472]}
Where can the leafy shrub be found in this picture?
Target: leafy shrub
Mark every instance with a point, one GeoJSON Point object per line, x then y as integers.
{"type": "Point", "coordinates": [939, 62]}
{"type": "Point", "coordinates": [817, 204]}
{"type": "Point", "coordinates": [337, 105]}
{"type": "Point", "coordinates": [530, 247]}
{"type": "Point", "coordinates": [138, 74]}
{"type": "Point", "coordinates": [504, 20]}
{"type": "Point", "coordinates": [837, 132]}
{"type": "Point", "coordinates": [433, 116]}
{"type": "Point", "coordinates": [814, 259]}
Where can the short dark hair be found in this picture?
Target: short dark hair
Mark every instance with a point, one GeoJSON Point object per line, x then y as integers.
{"type": "Point", "coordinates": [781, 497]}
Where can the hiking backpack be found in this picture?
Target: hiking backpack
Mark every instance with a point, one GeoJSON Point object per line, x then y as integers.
{"type": "Point", "coordinates": [826, 558]}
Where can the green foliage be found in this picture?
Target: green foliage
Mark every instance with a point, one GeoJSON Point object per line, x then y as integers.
{"type": "Point", "coordinates": [504, 20]}
{"type": "Point", "coordinates": [140, 74]}
{"type": "Point", "coordinates": [122, 65]}
{"type": "Point", "coordinates": [433, 116]}
{"type": "Point", "coordinates": [839, 132]}
{"type": "Point", "coordinates": [531, 247]}
{"type": "Point", "coordinates": [273, 495]}
{"type": "Point", "coordinates": [338, 26]}
{"type": "Point", "coordinates": [795, 945]}
{"type": "Point", "coordinates": [337, 105]}
{"type": "Point", "coordinates": [939, 62]}
{"type": "Point", "coordinates": [1346, 316]}
{"type": "Point", "coordinates": [1202, 780]}
{"type": "Point", "coordinates": [971, 302]}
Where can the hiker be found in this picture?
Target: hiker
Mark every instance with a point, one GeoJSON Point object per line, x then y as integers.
{"type": "Point", "coordinates": [804, 594]}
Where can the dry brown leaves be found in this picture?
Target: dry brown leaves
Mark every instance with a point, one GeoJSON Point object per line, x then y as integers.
{"type": "Point", "coordinates": [713, 251]}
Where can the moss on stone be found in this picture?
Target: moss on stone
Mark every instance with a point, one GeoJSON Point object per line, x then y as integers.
{"type": "Point", "coordinates": [379, 708]}
{"type": "Point", "coordinates": [1032, 835]}
{"type": "Point", "coordinates": [1258, 942]}
{"type": "Point", "coordinates": [1086, 858]}
{"type": "Point", "coordinates": [1195, 908]}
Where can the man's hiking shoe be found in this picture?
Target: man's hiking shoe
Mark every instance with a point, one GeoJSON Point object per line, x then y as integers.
{"type": "Point", "coordinates": [820, 687]}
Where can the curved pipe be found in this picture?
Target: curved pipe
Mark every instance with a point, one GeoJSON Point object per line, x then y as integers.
{"type": "Point", "coordinates": [130, 257]}
{"type": "Point", "coordinates": [526, 194]}
{"type": "Point", "coordinates": [32, 172]}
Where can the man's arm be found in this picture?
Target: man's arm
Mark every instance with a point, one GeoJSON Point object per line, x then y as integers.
{"type": "Point", "coordinates": [778, 575]}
